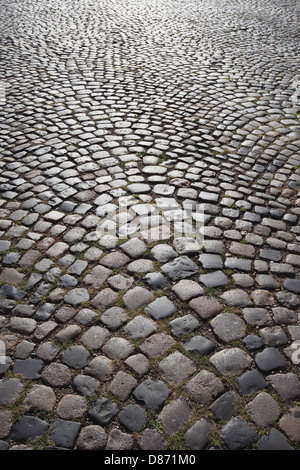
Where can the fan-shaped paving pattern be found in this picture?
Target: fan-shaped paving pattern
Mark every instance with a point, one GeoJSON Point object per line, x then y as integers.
{"type": "Point", "coordinates": [149, 234]}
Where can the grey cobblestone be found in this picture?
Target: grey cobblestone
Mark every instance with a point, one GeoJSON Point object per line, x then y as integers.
{"type": "Point", "coordinates": [149, 225]}
{"type": "Point", "coordinates": [174, 415]}
{"type": "Point", "coordinates": [176, 367]}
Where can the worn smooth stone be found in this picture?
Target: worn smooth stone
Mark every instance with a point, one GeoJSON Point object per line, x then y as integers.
{"type": "Point", "coordinates": [183, 325]}
{"type": "Point", "coordinates": [262, 298]}
{"type": "Point", "coordinates": [286, 385]}
{"type": "Point", "coordinates": [120, 441]}
{"type": "Point", "coordinates": [288, 299]}
{"type": "Point", "coordinates": [186, 245]}
{"type": "Point", "coordinates": [152, 440]}
{"type": "Point", "coordinates": [292, 285]}
{"type": "Point", "coordinates": [152, 392]}
{"type": "Point", "coordinates": [269, 359]}
{"type": "Point", "coordinates": [12, 292]}
{"type": "Point", "coordinates": [140, 266]}
{"type": "Point", "coordinates": [4, 245]}
{"type": "Point", "coordinates": [114, 260]}
{"type": "Point", "coordinates": [23, 325]}
{"type": "Point", "coordinates": [67, 281]}
{"type": "Point", "coordinates": [24, 310]}
{"type": "Point", "coordinates": [253, 342]}
{"type": "Point", "coordinates": [91, 437]}
{"type": "Point", "coordinates": [64, 433]}
{"type": "Point", "coordinates": [10, 388]}
{"type": "Point", "coordinates": [275, 440]}
{"type": "Point", "coordinates": [263, 409]}
{"type": "Point", "coordinates": [97, 277]}
{"type": "Point", "coordinates": [273, 336]}
{"type": "Point", "coordinates": [224, 407]}
{"type": "Point", "coordinates": [156, 280]}
{"type": "Point", "coordinates": [257, 316]}
{"type": "Point", "coordinates": [114, 318]}
{"type": "Point", "coordinates": [140, 327]}
{"type": "Point", "coordinates": [214, 279]}
{"type": "Point", "coordinates": [187, 289]}
{"type": "Point", "coordinates": [211, 261]}
{"type": "Point", "coordinates": [242, 249]}
{"type": "Point", "coordinates": [289, 423]}
{"type": "Point", "coordinates": [67, 334]}
{"type": "Point", "coordinates": [205, 387]}
{"type": "Point", "coordinates": [157, 345]}
{"type": "Point", "coordinates": [71, 407]}
{"type": "Point", "coordinates": [85, 385]}
{"type": "Point", "coordinates": [238, 264]}
{"type": "Point", "coordinates": [271, 255]}
{"type": "Point", "coordinates": [266, 282]}
{"type": "Point", "coordinates": [228, 326]}
{"type": "Point", "coordinates": [137, 297]}
{"type": "Point", "coordinates": [198, 435]}
{"type": "Point", "coordinates": [160, 308]}
{"type": "Point", "coordinates": [134, 247]}
{"type": "Point", "coordinates": [231, 362]}
{"type": "Point", "coordinates": [243, 280]}
{"type": "Point", "coordinates": [237, 298]}
{"type": "Point", "coordinates": [138, 363]}
{"type": "Point", "coordinates": [133, 418]}
{"type": "Point", "coordinates": [163, 252]}
{"type": "Point", "coordinates": [25, 348]}
{"type": "Point", "coordinates": [40, 397]}
{"type": "Point", "coordinates": [11, 258]}
{"type": "Point", "coordinates": [76, 357]}
{"type": "Point", "coordinates": [5, 423]}
{"type": "Point", "coordinates": [95, 337]}
{"type": "Point", "coordinates": [100, 368]}
{"type": "Point", "coordinates": [120, 281]}
{"type": "Point", "coordinates": [11, 276]}
{"type": "Point", "coordinates": [174, 415]}
{"type": "Point", "coordinates": [283, 315]}
{"type": "Point", "coordinates": [77, 296]}
{"type": "Point", "coordinates": [118, 348]}
{"type": "Point", "coordinates": [65, 314]}
{"type": "Point", "coordinates": [238, 434]}
{"type": "Point", "coordinates": [206, 307]}
{"type": "Point", "coordinates": [56, 375]}
{"type": "Point", "coordinates": [137, 188]}
{"type": "Point", "coordinates": [105, 298]}
{"type": "Point", "coordinates": [176, 367]}
{"type": "Point", "coordinates": [199, 345]}
{"type": "Point", "coordinates": [103, 411]}
{"type": "Point", "coordinates": [44, 330]}
{"type": "Point", "coordinates": [44, 312]}
{"type": "Point", "coordinates": [29, 368]}
{"type": "Point", "coordinates": [28, 427]}
{"type": "Point", "coordinates": [251, 381]}
{"type": "Point", "coordinates": [180, 268]}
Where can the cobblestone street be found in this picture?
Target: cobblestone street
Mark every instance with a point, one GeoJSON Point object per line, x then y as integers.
{"type": "Point", "coordinates": [149, 225]}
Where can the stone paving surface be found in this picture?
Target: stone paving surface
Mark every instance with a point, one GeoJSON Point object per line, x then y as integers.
{"type": "Point", "coordinates": [117, 120]}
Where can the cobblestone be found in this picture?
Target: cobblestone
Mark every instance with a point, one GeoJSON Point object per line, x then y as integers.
{"type": "Point", "coordinates": [174, 415]}
{"type": "Point", "coordinates": [149, 225]}
{"type": "Point", "coordinates": [238, 434]}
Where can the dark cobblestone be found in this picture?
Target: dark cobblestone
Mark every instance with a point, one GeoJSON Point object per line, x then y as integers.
{"type": "Point", "coordinates": [149, 225]}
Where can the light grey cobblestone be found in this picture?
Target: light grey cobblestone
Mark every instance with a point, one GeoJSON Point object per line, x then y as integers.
{"type": "Point", "coordinates": [149, 224]}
